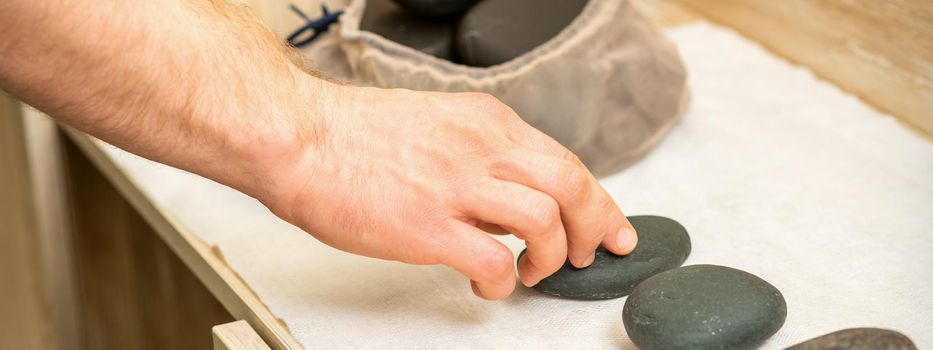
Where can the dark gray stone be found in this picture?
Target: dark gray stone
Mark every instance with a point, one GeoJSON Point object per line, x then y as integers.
{"type": "Point", "coordinates": [496, 31]}
{"type": "Point", "coordinates": [858, 339]}
{"type": "Point", "coordinates": [703, 307]}
{"type": "Point", "coordinates": [663, 244]}
{"type": "Point", "coordinates": [440, 9]}
{"type": "Point", "coordinates": [387, 19]}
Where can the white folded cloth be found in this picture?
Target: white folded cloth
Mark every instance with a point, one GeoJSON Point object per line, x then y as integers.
{"type": "Point", "coordinates": [773, 171]}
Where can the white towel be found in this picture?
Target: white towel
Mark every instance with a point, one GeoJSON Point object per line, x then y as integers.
{"type": "Point", "coordinates": [772, 171]}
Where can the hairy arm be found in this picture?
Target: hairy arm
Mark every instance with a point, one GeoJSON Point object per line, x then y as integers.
{"type": "Point", "coordinates": [199, 85]}
{"type": "Point", "coordinates": [411, 176]}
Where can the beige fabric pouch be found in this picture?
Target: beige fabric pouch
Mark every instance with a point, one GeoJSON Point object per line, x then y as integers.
{"type": "Point", "coordinates": [607, 87]}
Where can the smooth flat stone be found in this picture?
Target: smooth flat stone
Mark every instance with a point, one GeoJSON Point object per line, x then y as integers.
{"type": "Point", "coordinates": [387, 19]}
{"type": "Point", "coordinates": [496, 31]}
{"type": "Point", "coordinates": [703, 307]}
{"type": "Point", "coordinates": [858, 339]}
{"type": "Point", "coordinates": [663, 244]}
{"type": "Point", "coordinates": [436, 8]}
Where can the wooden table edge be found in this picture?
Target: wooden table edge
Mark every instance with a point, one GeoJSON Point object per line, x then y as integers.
{"type": "Point", "coordinates": [204, 261]}
{"type": "Point", "coordinates": [237, 335]}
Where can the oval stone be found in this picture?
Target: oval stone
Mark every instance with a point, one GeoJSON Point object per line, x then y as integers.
{"type": "Point", "coordinates": [496, 31]}
{"type": "Point", "coordinates": [858, 339]}
{"type": "Point", "coordinates": [436, 8]}
{"type": "Point", "coordinates": [663, 244]}
{"type": "Point", "coordinates": [387, 19]}
{"type": "Point", "coordinates": [703, 307]}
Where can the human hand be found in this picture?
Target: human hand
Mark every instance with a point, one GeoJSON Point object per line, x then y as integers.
{"type": "Point", "coordinates": [416, 176]}
{"type": "Point", "coordinates": [393, 174]}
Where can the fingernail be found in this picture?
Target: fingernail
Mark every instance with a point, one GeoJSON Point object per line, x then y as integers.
{"type": "Point", "coordinates": [627, 239]}
{"type": "Point", "coordinates": [589, 261]}
{"type": "Point", "coordinates": [528, 281]}
{"type": "Point", "coordinates": [525, 268]}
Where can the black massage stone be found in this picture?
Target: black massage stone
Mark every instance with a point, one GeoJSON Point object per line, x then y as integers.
{"type": "Point", "coordinates": [663, 244]}
{"type": "Point", "coordinates": [703, 307]}
{"type": "Point", "coordinates": [439, 9]}
{"type": "Point", "coordinates": [387, 19]}
{"type": "Point", "coordinates": [858, 339]}
{"type": "Point", "coordinates": [496, 31]}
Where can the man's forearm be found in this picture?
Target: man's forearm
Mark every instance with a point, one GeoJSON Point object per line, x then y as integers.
{"type": "Point", "coordinates": [192, 83]}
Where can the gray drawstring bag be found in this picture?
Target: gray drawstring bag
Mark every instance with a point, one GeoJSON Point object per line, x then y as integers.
{"type": "Point", "coordinates": [607, 87]}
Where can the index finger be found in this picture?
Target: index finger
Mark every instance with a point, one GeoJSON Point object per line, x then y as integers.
{"type": "Point", "coordinates": [590, 216]}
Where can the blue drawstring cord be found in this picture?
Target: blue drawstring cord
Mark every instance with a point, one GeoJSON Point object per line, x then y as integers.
{"type": "Point", "coordinates": [316, 26]}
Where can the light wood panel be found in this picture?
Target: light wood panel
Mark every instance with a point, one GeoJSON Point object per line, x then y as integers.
{"type": "Point", "coordinates": [237, 336]}
{"type": "Point", "coordinates": [52, 217]}
{"type": "Point", "coordinates": [135, 293]}
{"type": "Point", "coordinates": [24, 313]}
{"type": "Point", "coordinates": [204, 261]}
{"type": "Point", "coordinates": [880, 50]}
{"type": "Point", "coordinates": [665, 13]}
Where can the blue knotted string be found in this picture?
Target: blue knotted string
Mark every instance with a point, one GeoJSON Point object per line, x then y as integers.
{"type": "Point", "coordinates": [316, 26]}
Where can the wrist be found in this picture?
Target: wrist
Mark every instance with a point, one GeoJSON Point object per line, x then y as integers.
{"type": "Point", "coordinates": [291, 139]}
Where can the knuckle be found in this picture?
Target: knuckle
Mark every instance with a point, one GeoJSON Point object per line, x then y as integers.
{"type": "Point", "coordinates": [487, 98]}
{"type": "Point", "coordinates": [482, 99]}
{"type": "Point", "coordinates": [566, 154]}
{"type": "Point", "coordinates": [544, 213]}
{"type": "Point", "coordinates": [574, 182]}
{"type": "Point", "coordinates": [492, 106]}
{"type": "Point", "coordinates": [608, 205]}
{"type": "Point", "coordinates": [498, 263]}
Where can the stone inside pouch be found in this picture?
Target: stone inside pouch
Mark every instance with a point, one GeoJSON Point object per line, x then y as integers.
{"type": "Point", "coordinates": [594, 75]}
{"type": "Point", "coordinates": [476, 33]}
